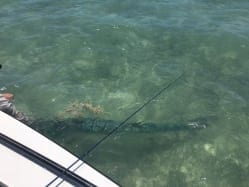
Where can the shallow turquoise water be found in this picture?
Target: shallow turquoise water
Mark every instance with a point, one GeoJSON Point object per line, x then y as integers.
{"type": "Point", "coordinates": [117, 54]}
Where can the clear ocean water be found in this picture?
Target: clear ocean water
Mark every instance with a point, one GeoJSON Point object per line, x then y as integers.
{"type": "Point", "coordinates": [116, 54]}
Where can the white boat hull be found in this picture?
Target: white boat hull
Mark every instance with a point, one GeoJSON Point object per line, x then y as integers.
{"type": "Point", "coordinates": [28, 158]}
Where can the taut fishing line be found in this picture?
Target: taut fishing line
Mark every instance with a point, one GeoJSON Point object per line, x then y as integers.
{"type": "Point", "coordinates": [92, 148]}
{"type": "Point", "coordinates": [27, 78]}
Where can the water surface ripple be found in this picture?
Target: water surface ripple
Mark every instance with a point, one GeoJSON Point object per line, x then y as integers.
{"type": "Point", "coordinates": [112, 56]}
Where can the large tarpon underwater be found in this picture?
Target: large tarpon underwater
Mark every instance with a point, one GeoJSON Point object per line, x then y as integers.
{"type": "Point", "coordinates": [104, 125]}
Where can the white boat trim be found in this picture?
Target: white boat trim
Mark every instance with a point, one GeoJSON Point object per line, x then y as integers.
{"type": "Point", "coordinates": [19, 170]}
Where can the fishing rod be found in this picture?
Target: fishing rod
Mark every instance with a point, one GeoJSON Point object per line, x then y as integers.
{"type": "Point", "coordinates": [92, 148]}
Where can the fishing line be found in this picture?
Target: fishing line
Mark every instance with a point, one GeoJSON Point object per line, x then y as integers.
{"type": "Point", "coordinates": [30, 77]}
{"type": "Point", "coordinates": [92, 148]}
